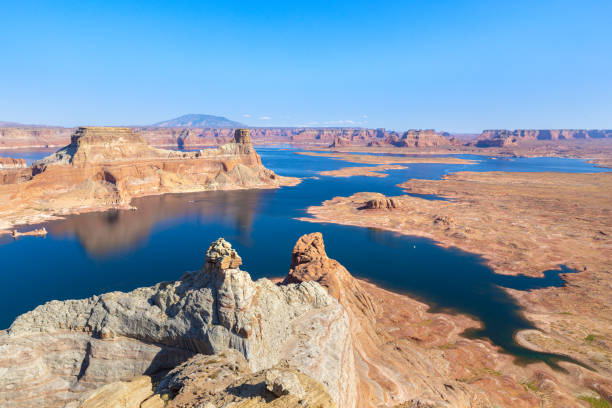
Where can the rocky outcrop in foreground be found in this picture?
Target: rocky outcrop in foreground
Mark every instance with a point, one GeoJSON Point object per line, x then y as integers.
{"type": "Point", "coordinates": [216, 336]}
{"type": "Point", "coordinates": [320, 339]}
{"type": "Point", "coordinates": [62, 350]}
{"type": "Point", "coordinates": [106, 167]}
{"type": "Point", "coordinates": [222, 380]}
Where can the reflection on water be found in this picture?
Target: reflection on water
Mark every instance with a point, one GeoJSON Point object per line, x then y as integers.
{"type": "Point", "coordinates": [120, 250]}
{"type": "Point", "coordinates": [118, 231]}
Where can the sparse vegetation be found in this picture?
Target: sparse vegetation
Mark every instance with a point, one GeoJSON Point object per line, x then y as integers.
{"type": "Point", "coordinates": [595, 402]}
{"type": "Point", "coordinates": [530, 386]}
{"type": "Point", "coordinates": [447, 346]}
{"type": "Point", "coordinates": [490, 371]}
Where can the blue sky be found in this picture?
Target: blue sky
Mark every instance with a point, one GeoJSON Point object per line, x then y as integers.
{"type": "Point", "coordinates": [450, 65]}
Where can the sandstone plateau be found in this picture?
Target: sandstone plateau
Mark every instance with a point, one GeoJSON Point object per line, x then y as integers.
{"type": "Point", "coordinates": [215, 338]}
{"type": "Point", "coordinates": [106, 167]}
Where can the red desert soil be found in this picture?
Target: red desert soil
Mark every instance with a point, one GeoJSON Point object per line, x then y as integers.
{"type": "Point", "coordinates": [405, 353]}
{"type": "Point", "coordinates": [521, 223]}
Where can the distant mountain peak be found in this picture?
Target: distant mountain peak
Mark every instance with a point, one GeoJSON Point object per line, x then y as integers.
{"type": "Point", "coordinates": [199, 120]}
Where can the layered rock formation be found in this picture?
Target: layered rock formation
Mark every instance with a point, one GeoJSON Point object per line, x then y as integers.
{"type": "Point", "coordinates": [107, 167]}
{"type": "Point", "coordinates": [386, 374]}
{"type": "Point", "coordinates": [197, 136]}
{"type": "Point", "coordinates": [383, 203]}
{"type": "Point", "coordinates": [417, 138]}
{"type": "Point", "coordinates": [28, 137]}
{"type": "Point", "coordinates": [10, 163]}
{"type": "Point", "coordinates": [61, 350]}
{"type": "Point", "coordinates": [504, 137]}
{"type": "Point", "coordinates": [13, 170]}
{"type": "Point", "coordinates": [333, 137]}
{"type": "Point", "coordinates": [340, 142]}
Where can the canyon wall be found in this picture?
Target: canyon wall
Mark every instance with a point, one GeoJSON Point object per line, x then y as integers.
{"type": "Point", "coordinates": [33, 137]}
{"type": "Point", "coordinates": [504, 137]}
{"type": "Point", "coordinates": [193, 137]}
{"type": "Point", "coordinates": [180, 137]}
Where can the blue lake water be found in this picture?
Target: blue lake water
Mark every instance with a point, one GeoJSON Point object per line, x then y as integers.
{"type": "Point", "coordinates": [98, 252]}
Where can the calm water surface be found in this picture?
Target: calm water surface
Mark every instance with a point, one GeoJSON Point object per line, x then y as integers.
{"type": "Point", "coordinates": [120, 250]}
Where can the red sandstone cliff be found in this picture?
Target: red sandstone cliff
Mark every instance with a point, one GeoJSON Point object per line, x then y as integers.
{"type": "Point", "coordinates": [107, 167]}
{"type": "Point", "coordinates": [189, 138]}
{"type": "Point", "coordinates": [504, 137]}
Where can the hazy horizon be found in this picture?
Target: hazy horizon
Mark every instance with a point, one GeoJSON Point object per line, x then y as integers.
{"type": "Point", "coordinates": [460, 68]}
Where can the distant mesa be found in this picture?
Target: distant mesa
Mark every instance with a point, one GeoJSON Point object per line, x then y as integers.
{"type": "Point", "coordinates": [505, 137]}
{"type": "Point", "coordinates": [193, 131]}
{"type": "Point", "coordinates": [340, 142]}
{"type": "Point", "coordinates": [199, 121]}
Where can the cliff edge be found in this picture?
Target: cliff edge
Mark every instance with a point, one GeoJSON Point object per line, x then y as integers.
{"type": "Point", "coordinates": [65, 350]}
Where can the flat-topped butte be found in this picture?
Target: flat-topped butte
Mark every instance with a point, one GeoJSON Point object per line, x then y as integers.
{"type": "Point", "coordinates": [105, 167]}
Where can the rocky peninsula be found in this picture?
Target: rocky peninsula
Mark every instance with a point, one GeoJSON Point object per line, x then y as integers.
{"type": "Point", "coordinates": [521, 223]}
{"type": "Point", "coordinates": [105, 168]}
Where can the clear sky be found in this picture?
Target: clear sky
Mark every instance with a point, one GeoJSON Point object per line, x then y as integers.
{"type": "Point", "coordinates": [450, 65]}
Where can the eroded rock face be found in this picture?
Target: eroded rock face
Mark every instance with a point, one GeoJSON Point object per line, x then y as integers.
{"type": "Point", "coordinates": [197, 136]}
{"type": "Point", "coordinates": [106, 167]}
{"type": "Point", "coordinates": [389, 372]}
{"type": "Point", "coordinates": [309, 262]}
{"type": "Point", "coordinates": [10, 163]}
{"type": "Point", "coordinates": [63, 348]}
{"type": "Point", "coordinates": [382, 204]}
{"type": "Point", "coordinates": [418, 138]}
{"type": "Point", "coordinates": [340, 142]}
{"type": "Point", "coordinates": [504, 137]}
{"type": "Point", "coordinates": [13, 170]}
